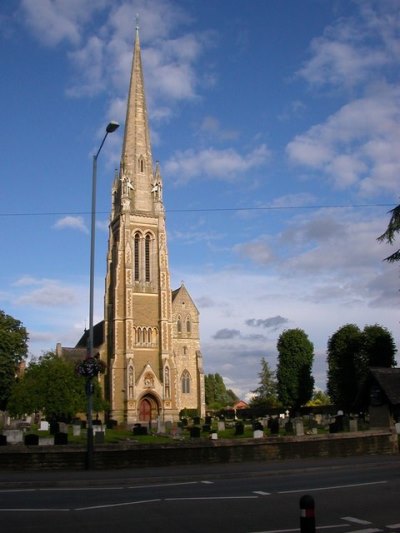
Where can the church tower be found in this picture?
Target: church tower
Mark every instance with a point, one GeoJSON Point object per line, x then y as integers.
{"type": "Point", "coordinates": [151, 339]}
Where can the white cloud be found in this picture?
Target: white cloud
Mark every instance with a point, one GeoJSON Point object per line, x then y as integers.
{"type": "Point", "coordinates": [53, 21]}
{"type": "Point", "coordinates": [72, 222]}
{"type": "Point", "coordinates": [355, 49]}
{"type": "Point", "coordinates": [358, 146]}
{"type": "Point", "coordinates": [225, 165]}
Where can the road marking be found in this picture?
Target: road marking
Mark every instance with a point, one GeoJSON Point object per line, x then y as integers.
{"type": "Point", "coordinates": [394, 526]}
{"type": "Point", "coordinates": [368, 530]}
{"type": "Point", "coordinates": [212, 498]}
{"type": "Point", "coordinates": [262, 493]}
{"type": "Point", "coordinates": [207, 482]}
{"type": "Point", "coordinates": [355, 520]}
{"type": "Point", "coordinates": [297, 529]}
{"type": "Point", "coordinates": [115, 505]}
{"type": "Point", "coordinates": [33, 510]}
{"type": "Point", "coordinates": [332, 488]}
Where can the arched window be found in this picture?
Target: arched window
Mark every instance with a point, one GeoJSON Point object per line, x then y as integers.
{"type": "Point", "coordinates": [188, 325]}
{"type": "Point", "coordinates": [179, 324]}
{"type": "Point", "coordinates": [166, 382]}
{"type": "Point", "coordinates": [147, 257]}
{"type": "Point", "coordinates": [185, 350]}
{"type": "Point", "coordinates": [141, 164]}
{"type": "Point", "coordinates": [130, 382]}
{"type": "Point", "coordinates": [137, 257]}
{"type": "Point", "coordinates": [185, 382]}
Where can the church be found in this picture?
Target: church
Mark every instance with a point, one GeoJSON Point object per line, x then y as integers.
{"type": "Point", "coordinates": [149, 338]}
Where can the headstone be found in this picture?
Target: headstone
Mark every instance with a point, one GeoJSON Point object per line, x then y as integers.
{"type": "Point", "coordinates": [397, 427]}
{"type": "Point", "coordinates": [214, 435]}
{"type": "Point", "coordinates": [298, 427]}
{"type": "Point", "coordinates": [194, 432]}
{"type": "Point", "coordinates": [14, 436]}
{"type": "Point", "coordinates": [76, 430]}
{"type": "Point", "coordinates": [46, 441]}
{"type": "Point", "coordinates": [239, 428]}
{"type": "Point", "coordinates": [258, 434]}
{"type": "Point", "coordinates": [44, 425]}
{"type": "Point", "coordinates": [160, 426]}
{"type": "Point", "coordinates": [62, 427]}
{"type": "Point", "coordinates": [99, 437]}
{"type": "Point", "coordinates": [221, 425]}
{"type": "Point", "coordinates": [3, 440]}
{"type": "Point", "coordinates": [274, 426]}
{"type": "Point", "coordinates": [61, 438]}
{"type": "Point", "coordinates": [31, 439]}
{"type": "Point", "coordinates": [353, 424]}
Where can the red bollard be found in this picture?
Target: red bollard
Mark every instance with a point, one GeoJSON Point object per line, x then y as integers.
{"type": "Point", "coordinates": [307, 514]}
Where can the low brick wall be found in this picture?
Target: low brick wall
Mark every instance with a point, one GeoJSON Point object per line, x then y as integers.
{"type": "Point", "coordinates": [127, 455]}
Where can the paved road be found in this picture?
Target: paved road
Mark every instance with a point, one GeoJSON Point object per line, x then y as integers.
{"type": "Point", "coordinates": [351, 494]}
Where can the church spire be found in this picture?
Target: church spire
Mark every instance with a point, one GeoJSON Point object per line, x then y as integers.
{"type": "Point", "coordinates": [136, 174]}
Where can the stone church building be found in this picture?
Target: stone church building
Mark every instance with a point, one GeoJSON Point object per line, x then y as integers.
{"type": "Point", "coordinates": [149, 338]}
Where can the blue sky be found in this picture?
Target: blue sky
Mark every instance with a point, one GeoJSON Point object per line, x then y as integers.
{"type": "Point", "coordinates": [276, 124]}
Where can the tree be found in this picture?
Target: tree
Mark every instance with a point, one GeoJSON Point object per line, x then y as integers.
{"type": "Point", "coordinates": [266, 392]}
{"type": "Point", "coordinates": [344, 348]}
{"type": "Point", "coordinates": [13, 351]}
{"type": "Point", "coordinates": [216, 393]}
{"type": "Point", "coordinates": [319, 398]}
{"type": "Point", "coordinates": [295, 359]}
{"type": "Point", "coordinates": [351, 352]}
{"type": "Point", "coordinates": [389, 235]}
{"type": "Point", "coordinates": [51, 386]}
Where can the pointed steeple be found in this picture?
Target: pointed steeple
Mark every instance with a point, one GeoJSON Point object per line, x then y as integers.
{"type": "Point", "coordinates": [136, 172]}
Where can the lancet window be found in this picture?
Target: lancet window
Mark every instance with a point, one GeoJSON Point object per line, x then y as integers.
{"type": "Point", "coordinates": [185, 382]}
{"type": "Point", "coordinates": [142, 261]}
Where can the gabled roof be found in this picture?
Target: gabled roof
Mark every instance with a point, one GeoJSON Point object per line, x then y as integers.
{"type": "Point", "coordinates": [98, 336]}
{"type": "Point", "coordinates": [389, 381]}
{"type": "Point", "coordinates": [183, 291]}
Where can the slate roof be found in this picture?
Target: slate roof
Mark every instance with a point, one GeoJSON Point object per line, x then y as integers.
{"type": "Point", "coordinates": [389, 381]}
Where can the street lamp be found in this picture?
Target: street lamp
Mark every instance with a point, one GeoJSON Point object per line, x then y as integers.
{"type": "Point", "coordinates": [111, 127]}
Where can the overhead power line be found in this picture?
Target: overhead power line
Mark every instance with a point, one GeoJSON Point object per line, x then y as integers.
{"type": "Point", "coordinates": [205, 209]}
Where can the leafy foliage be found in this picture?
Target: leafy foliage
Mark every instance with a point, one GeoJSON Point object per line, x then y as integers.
{"type": "Point", "coordinates": [295, 359]}
{"type": "Point", "coordinates": [217, 395]}
{"type": "Point", "coordinates": [13, 350]}
{"type": "Point", "coordinates": [266, 393]}
{"type": "Point", "coordinates": [51, 386]}
{"type": "Point", "coordinates": [389, 235]}
{"type": "Point", "coordinates": [319, 398]}
{"type": "Point", "coordinates": [351, 352]}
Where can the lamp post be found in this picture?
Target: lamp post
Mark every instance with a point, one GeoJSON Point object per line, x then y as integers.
{"type": "Point", "coordinates": [111, 127]}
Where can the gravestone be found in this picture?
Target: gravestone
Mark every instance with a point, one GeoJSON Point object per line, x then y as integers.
{"type": "Point", "coordinates": [3, 440]}
{"type": "Point", "coordinates": [194, 432]}
{"type": "Point", "coordinates": [298, 427]}
{"type": "Point", "coordinates": [353, 424]}
{"type": "Point", "coordinates": [239, 428]}
{"type": "Point", "coordinates": [76, 430]}
{"type": "Point", "coordinates": [14, 436]}
{"type": "Point", "coordinates": [221, 425]}
{"type": "Point", "coordinates": [60, 438]}
{"type": "Point", "coordinates": [258, 434]}
{"type": "Point", "coordinates": [31, 439]}
{"type": "Point", "coordinates": [44, 425]}
{"type": "Point", "coordinates": [46, 441]}
{"type": "Point", "coordinates": [99, 437]}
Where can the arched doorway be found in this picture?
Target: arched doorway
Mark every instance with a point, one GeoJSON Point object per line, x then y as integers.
{"type": "Point", "coordinates": [148, 408]}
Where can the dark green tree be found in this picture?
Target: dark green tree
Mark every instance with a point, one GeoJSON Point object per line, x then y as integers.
{"type": "Point", "coordinates": [389, 235]}
{"type": "Point", "coordinates": [351, 352]}
{"type": "Point", "coordinates": [344, 348]}
{"type": "Point", "coordinates": [52, 386]}
{"type": "Point", "coordinates": [13, 350]}
{"type": "Point", "coordinates": [294, 372]}
{"type": "Point", "coordinates": [216, 393]}
{"type": "Point", "coordinates": [266, 393]}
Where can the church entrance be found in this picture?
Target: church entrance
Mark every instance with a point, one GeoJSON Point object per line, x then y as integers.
{"type": "Point", "coordinates": [148, 408]}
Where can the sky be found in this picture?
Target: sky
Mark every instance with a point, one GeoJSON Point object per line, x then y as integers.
{"type": "Point", "coordinates": [277, 129]}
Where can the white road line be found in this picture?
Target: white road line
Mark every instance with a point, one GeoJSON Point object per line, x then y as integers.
{"type": "Point", "coordinates": [262, 493]}
{"type": "Point", "coordinates": [297, 529]}
{"type": "Point", "coordinates": [207, 482]}
{"type": "Point", "coordinates": [115, 505]}
{"type": "Point", "coordinates": [368, 530]}
{"type": "Point", "coordinates": [393, 526]}
{"type": "Point", "coordinates": [33, 510]}
{"type": "Point", "coordinates": [331, 488]}
{"type": "Point", "coordinates": [355, 520]}
{"type": "Point", "coordinates": [212, 498]}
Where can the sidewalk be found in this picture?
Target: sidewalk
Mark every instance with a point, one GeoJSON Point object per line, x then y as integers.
{"type": "Point", "coordinates": [135, 476]}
